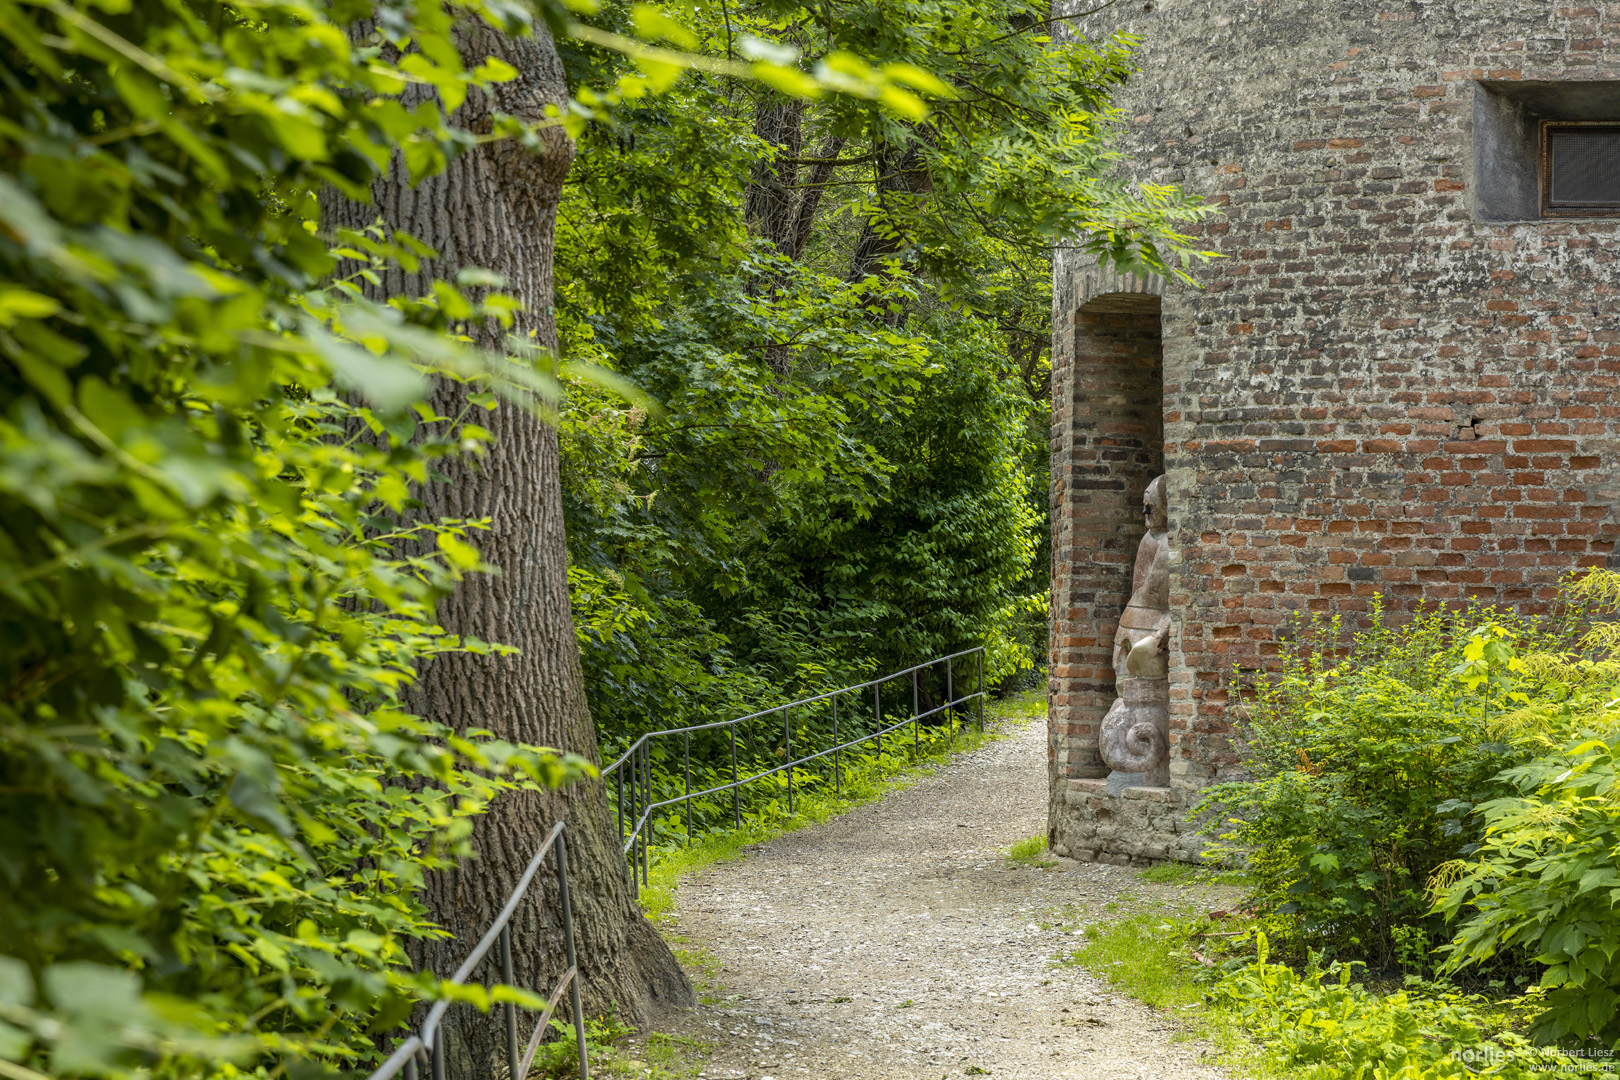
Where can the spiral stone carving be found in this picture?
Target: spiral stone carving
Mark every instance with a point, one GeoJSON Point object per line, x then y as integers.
{"type": "Point", "coordinates": [1131, 741]}
{"type": "Point", "coordinates": [1134, 737]}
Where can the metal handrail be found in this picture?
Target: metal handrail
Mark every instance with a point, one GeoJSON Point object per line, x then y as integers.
{"type": "Point", "coordinates": [639, 753]}
{"type": "Point", "coordinates": [425, 1047]}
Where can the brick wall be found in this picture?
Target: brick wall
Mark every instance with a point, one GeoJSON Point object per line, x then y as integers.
{"type": "Point", "coordinates": [1376, 392]}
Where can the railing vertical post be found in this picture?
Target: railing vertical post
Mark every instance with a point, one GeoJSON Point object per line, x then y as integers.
{"type": "Point", "coordinates": [736, 806]}
{"type": "Point", "coordinates": [838, 755]}
{"type": "Point", "coordinates": [410, 1067]}
{"type": "Point", "coordinates": [569, 955]}
{"type": "Point", "coordinates": [686, 753]}
{"type": "Point", "coordinates": [643, 820]}
{"type": "Point", "coordinates": [916, 728]}
{"type": "Point", "coordinates": [646, 801]}
{"type": "Point", "coordinates": [509, 1007]}
{"type": "Point", "coordinates": [618, 778]}
{"type": "Point", "coordinates": [634, 765]}
{"type": "Point", "coordinates": [979, 656]}
{"type": "Point", "coordinates": [950, 695]}
{"type": "Point", "coordinates": [438, 1056]}
{"type": "Point", "coordinates": [787, 740]}
{"type": "Point", "coordinates": [877, 715]}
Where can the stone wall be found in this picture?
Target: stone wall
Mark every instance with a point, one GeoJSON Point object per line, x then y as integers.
{"type": "Point", "coordinates": [1380, 388]}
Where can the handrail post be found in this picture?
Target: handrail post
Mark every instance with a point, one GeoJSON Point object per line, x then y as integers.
{"type": "Point", "coordinates": [646, 832]}
{"type": "Point", "coordinates": [787, 742]}
{"type": "Point", "coordinates": [510, 1008]}
{"type": "Point", "coordinates": [950, 696]}
{"type": "Point", "coordinates": [570, 956]}
{"type": "Point", "coordinates": [736, 806]}
{"type": "Point", "coordinates": [686, 753]}
{"type": "Point", "coordinates": [438, 1058]}
{"type": "Point", "coordinates": [877, 715]}
{"type": "Point", "coordinates": [979, 657]}
{"type": "Point", "coordinates": [838, 754]}
{"type": "Point", "coordinates": [916, 728]}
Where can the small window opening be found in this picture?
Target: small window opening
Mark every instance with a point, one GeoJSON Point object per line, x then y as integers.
{"type": "Point", "coordinates": [1548, 149]}
{"type": "Point", "coordinates": [1580, 168]}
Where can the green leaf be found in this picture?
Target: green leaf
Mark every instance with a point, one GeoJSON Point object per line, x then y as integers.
{"type": "Point", "coordinates": [16, 984]}
{"type": "Point", "coordinates": [461, 554]}
{"type": "Point", "coordinates": [388, 382]}
{"type": "Point", "coordinates": [916, 78]}
{"type": "Point", "coordinates": [651, 24]}
{"type": "Point", "coordinates": [18, 303]}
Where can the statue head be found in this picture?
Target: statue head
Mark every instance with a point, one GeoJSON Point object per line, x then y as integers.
{"type": "Point", "coordinates": [1156, 505]}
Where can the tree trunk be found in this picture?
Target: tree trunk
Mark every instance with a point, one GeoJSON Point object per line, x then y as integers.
{"type": "Point", "coordinates": [770, 202]}
{"type": "Point", "coordinates": [810, 197]}
{"type": "Point", "coordinates": [495, 208]}
{"type": "Point", "coordinates": [901, 177]}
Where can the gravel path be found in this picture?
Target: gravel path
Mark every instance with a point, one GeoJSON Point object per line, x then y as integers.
{"type": "Point", "coordinates": [895, 942]}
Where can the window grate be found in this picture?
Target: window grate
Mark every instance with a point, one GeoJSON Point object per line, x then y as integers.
{"type": "Point", "coordinates": [1580, 168]}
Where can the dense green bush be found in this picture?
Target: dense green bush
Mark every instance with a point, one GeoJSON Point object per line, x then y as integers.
{"type": "Point", "coordinates": [216, 812]}
{"type": "Point", "coordinates": [757, 539]}
{"type": "Point", "coordinates": [1365, 761]}
{"type": "Point", "coordinates": [1451, 778]}
{"type": "Point", "coordinates": [931, 567]}
{"type": "Point", "coordinates": [1325, 1026]}
{"type": "Point", "coordinates": [1545, 879]}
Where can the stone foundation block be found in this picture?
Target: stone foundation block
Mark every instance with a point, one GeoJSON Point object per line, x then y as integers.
{"type": "Point", "coordinates": [1139, 826]}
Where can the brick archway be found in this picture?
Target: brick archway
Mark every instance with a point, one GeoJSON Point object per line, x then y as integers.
{"type": "Point", "coordinates": [1108, 442]}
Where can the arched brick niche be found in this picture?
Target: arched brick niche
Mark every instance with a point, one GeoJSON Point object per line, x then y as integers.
{"type": "Point", "coordinates": [1107, 443]}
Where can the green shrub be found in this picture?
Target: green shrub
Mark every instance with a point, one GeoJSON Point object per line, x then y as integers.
{"type": "Point", "coordinates": [1326, 1026]}
{"type": "Point", "coordinates": [1454, 776]}
{"type": "Point", "coordinates": [1545, 880]}
{"type": "Point", "coordinates": [216, 812]}
{"type": "Point", "coordinates": [1365, 762]}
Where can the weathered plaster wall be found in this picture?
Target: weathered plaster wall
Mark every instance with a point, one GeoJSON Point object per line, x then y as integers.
{"type": "Point", "coordinates": [1378, 390]}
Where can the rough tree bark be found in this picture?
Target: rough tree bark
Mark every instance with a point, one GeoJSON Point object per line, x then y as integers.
{"type": "Point", "coordinates": [769, 204]}
{"type": "Point", "coordinates": [810, 198]}
{"type": "Point", "coordinates": [496, 208]}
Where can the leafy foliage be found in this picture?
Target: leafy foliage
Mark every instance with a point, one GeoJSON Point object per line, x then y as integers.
{"type": "Point", "coordinates": [1016, 154]}
{"type": "Point", "coordinates": [218, 813]}
{"type": "Point", "coordinates": [838, 316]}
{"type": "Point", "coordinates": [760, 536]}
{"type": "Point", "coordinates": [1452, 778]}
{"type": "Point", "coordinates": [1545, 880]}
{"type": "Point", "coordinates": [1325, 1025]}
{"type": "Point", "coordinates": [1365, 765]}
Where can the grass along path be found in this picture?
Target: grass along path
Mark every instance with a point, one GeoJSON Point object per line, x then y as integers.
{"type": "Point", "coordinates": [863, 784]}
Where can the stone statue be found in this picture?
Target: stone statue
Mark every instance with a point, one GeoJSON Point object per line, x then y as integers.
{"type": "Point", "coordinates": [1135, 733]}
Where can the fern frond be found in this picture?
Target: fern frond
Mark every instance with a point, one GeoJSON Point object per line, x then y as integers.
{"type": "Point", "coordinates": [1599, 588]}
